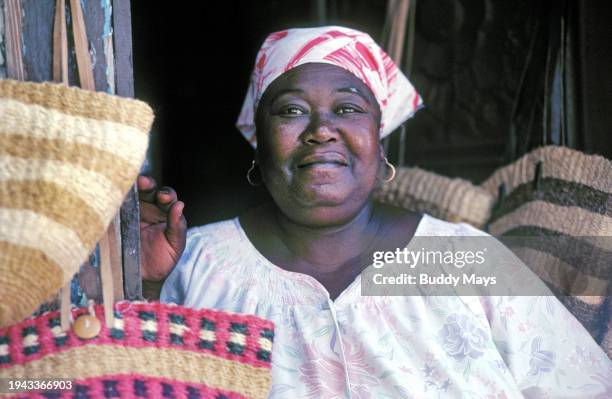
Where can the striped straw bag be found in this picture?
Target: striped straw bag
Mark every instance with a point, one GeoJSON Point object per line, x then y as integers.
{"type": "Point", "coordinates": [455, 200]}
{"type": "Point", "coordinates": [561, 200]}
{"type": "Point", "coordinates": [67, 158]}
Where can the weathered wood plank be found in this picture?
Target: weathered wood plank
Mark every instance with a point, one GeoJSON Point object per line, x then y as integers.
{"type": "Point", "coordinates": [98, 22]}
{"type": "Point", "coordinates": [116, 244]}
{"type": "Point", "coordinates": [12, 22]}
{"type": "Point", "coordinates": [130, 235]}
{"type": "Point", "coordinates": [37, 31]}
{"type": "Point", "coordinates": [130, 213]}
{"type": "Point", "coordinates": [2, 43]}
{"type": "Point", "coordinates": [122, 27]}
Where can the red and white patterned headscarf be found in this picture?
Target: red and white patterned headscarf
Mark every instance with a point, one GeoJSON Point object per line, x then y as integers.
{"type": "Point", "coordinates": [347, 48]}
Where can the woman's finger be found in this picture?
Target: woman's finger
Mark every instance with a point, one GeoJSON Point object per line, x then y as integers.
{"type": "Point", "coordinates": [176, 227]}
{"type": "Point", "coordinates": [151, 214]}
{"type": "Point", "coordinates": [146, 188]}
{"type": "Point", "coordinates": [165, 198]}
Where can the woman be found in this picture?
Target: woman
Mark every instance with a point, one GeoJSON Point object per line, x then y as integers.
{"type": "Point", "coordinates": [320, 100]}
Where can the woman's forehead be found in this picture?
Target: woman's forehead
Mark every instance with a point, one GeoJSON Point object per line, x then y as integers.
{"type": "Point", "coordinates": [320, 76]}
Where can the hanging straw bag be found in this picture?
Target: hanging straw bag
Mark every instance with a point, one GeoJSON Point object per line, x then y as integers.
{"type": "Point", "coordinates": [67, 158]}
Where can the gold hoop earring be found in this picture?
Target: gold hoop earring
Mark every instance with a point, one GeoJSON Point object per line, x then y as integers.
{"type": "Point", "coordinates": [389, 164]}
{"type": "Point", "coordinates": [248, 175]}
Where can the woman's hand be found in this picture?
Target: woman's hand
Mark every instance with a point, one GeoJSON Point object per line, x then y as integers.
{"type": "Point", "coordinates": [163, 229]}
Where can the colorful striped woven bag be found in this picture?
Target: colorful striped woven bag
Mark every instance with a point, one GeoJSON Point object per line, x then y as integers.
{"type": "Point", "coordinates": [152, 350]}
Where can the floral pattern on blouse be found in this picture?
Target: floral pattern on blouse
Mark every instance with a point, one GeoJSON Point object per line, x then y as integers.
{"type": "Point", "coordinates": [364, 347]}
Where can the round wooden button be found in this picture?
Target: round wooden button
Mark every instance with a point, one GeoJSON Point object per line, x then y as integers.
{"type": "Point", "coordinates": [87, 326]}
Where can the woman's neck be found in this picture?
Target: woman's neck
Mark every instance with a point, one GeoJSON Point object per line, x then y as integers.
{"type": "Point", "coordinates": [327, 248]}
{"type": "Point", "coordinates": [334, 254]}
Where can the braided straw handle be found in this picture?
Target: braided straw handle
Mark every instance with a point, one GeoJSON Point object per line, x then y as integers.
{"type": "Point", "coordinates": [109, 253]}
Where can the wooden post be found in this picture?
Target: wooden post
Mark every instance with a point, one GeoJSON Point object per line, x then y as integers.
{"type": "Point", "coordinates": [130, 213]}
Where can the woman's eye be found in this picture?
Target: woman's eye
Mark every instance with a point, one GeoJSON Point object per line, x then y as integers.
{"type": "Point", "coordinates": [292, 111]}
{"type": "Point", "coordinates": [347, 109]}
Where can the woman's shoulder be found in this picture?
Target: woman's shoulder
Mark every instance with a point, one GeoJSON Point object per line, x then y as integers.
{"type": "Point", "coordinates": [220, 238]}
{"type": "Point", "coordinates": [432, 226]}
{"type": "Point", "coordinates": [224, 232]}
{"type": "Point", "coordinates": [427, 225]}
{"type": "Point", "coordinates": [214, 231]}
{"type": "Point", "coordinates": [213, 253]}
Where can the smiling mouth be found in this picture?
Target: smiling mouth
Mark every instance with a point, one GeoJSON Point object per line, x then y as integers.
{"type": "Point", "coordinates": [321, 164]}
{"type": "Point", "coordinates": [323, 160]}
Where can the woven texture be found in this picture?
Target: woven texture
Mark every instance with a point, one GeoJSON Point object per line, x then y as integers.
{"type": "Point", "coordinates": [455, 200]}
{"type": "Point", "coordinates": [152, 350]}
{"type": "Point", "coordinates": [67, 159]}
{"type": "Point", "coordinates": [570, 200]}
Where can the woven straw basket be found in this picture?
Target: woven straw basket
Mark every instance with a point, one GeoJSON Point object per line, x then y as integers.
{"type": "Point", "coordinates": [67, 158]}
{"type": "Point", "coordinates": [562, 193]}
{"type": "Point", "coordinates": [455, 200]}
{"type": "Point", "coordinates": [152, 350]}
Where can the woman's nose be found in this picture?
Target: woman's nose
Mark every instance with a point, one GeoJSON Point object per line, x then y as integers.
{"type": "Point", "coordinates": [321, 129]}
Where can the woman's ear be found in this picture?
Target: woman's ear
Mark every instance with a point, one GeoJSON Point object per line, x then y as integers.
{"type": "Point", "coordinates": [381, 150]}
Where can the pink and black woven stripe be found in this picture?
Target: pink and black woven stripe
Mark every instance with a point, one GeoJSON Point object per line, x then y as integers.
{"type": "Point", "coordinates": [152, 350]}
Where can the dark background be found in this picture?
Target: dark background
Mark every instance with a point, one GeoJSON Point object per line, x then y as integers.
{"type": "Point", "coordinates": [486, 71]}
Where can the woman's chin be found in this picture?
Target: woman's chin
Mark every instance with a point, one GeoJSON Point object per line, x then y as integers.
{"type": "Point", "coordinates": [324, 205]}
{"type": "Point", "coordinates": [322, 216]}
{"type": "Point", "coordinates": [323, 195]}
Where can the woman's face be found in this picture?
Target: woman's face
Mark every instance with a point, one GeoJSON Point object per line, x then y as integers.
{"type": "Point", "coordinates": [318, 144]}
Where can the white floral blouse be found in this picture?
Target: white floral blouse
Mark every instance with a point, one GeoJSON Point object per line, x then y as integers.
{"type": "Point", "coordinates": [391, 347]}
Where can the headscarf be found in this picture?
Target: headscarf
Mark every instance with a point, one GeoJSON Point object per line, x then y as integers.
{"type": "Point", "coordinates": [347, 48]}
